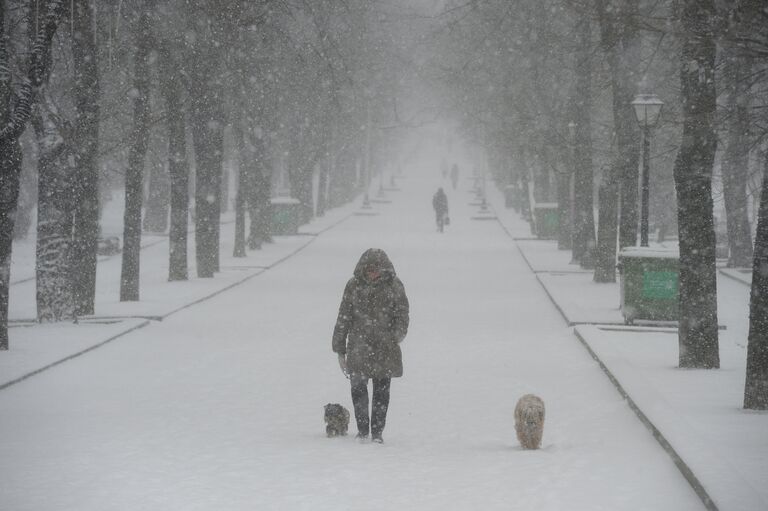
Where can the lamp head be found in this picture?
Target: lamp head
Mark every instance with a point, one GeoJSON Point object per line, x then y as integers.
{"type": "Point", "coordinates": [647, 109]}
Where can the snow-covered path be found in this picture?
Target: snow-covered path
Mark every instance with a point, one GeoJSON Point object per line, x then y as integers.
{"type": "Point", "coordinates": [220, 406]}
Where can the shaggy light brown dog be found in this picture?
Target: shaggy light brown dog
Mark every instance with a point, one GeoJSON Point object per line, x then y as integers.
{"type": "Point", "coordinates": [529, 421]}
{"type": "Point", "coordinates": [336, 420]}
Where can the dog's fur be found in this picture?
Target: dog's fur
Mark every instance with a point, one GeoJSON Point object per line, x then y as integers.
{"type": "Point", "coordinates": [336, 420]}
{"type": "Point", "coordinates": [529, 421]}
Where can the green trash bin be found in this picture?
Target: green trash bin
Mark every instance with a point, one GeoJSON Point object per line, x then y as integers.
{"type": "Point", "coordinates": [286, 215]}
{"type": "Point", "coordinates": [649, 284]}
{"type": "Point", "coordinates": [546, 215]}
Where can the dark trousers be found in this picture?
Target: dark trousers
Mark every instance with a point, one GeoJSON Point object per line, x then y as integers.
{"type": "Point", "coordinates": [380, 404]}
{"type": "Point", "coordinates": [440, 219]}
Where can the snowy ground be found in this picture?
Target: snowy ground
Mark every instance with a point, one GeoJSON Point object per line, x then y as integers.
{"type": "Point", "coordinates": [699, 412]}
{"type": "Point", "coordinates": [219, 406]}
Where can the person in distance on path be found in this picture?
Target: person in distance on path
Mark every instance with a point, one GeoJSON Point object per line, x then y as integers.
{"type": "Point", "coordinates": [440, 204]}
{"type": "Point", "coordinates": [455, 175]}
{"type": "Point", "coordinates": [372, 322]}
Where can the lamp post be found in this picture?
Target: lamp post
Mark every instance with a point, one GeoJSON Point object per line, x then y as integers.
{"type": "Point", "coordinates": [647, 110]}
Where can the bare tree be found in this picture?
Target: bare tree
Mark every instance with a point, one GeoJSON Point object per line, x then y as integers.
{"type": "Point", "coordinates": [130, 270]}
{"type": "Point", "coordinates": [55, 208]}
{"type": "Point", "coordinates": [698, 335]}
{"type": "Point", "coordinates": [207, 119]}
{"type": "Point", "coordinates": [619, 40]}
{"type": "Point", "coordinates": [87, 90]}
{"type": "Point", "coordinates": [15, 109]}
{"type": "Point", "coordinates": [735, 160]}
{"type": "Point", "coordinates": [624, 79]}
{"type": "Point", "coordinates": [584, 217]}
{"type": "Point", "coordinates": [158, 193]}
{"type": "Point", "coordinates": [242, 188]}
{"type": "Point", "coordinates": [737, 78]}
{"type": "Point", "coordinates": [756, 386]}
{"type": "Point", "coordinates": [171, 90]}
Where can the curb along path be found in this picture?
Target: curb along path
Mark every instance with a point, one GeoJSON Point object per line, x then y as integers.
{"type": "Point", "coordinates": [681, 465]}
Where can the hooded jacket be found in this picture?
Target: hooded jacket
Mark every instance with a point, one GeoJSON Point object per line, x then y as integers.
{"type": "Point", "coordinates": [440, 202]}
{"type": "Point", "coordinates": [373, 319]}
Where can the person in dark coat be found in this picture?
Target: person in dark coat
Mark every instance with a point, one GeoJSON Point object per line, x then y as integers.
{"type": "Point", "coordinates": [440, 204]}
{"type": "Point", "coordinates": [372, 322]}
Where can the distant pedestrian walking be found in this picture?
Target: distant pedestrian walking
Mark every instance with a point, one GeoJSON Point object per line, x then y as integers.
{"type": "Point", "coordinates": [372, 322]}
{"type": "Point", "coordinates": [440, 204]}
{"type": "Point", "coordinates": [455, 175]}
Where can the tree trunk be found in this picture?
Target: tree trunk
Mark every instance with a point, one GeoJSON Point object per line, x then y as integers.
{"type": "Point", "coordinates": [216, 224]}
{"type": "Point", "coordinates": [756, 387]}
{"type": "Point", "coordinates": [27, 202]}
{"type": "Point", "coordinates": [619, 184]}
{"type": "Point", "coordinates": [226, 176]}
{"type": "Point", "coordinates": [734, 166]}
{"type": "Point", "coordinates": [56, 203]}
{"type": "Point", "coordinates": [10, 168]}
{"type": "Point", "coordinates": [86, 145]}
{"type": "Point", "coordinates": [242, 188]}
{"type": "Point", "coordinates": [207, 120]}
{"type": "Point", "coordinates": [525, 206]}
{"type": "Point", "coordinates": [342, 185]}
{"type": "Point", "coordinates": [259, 193]}
{"type": "Point", "coordinates": [625, 82]}
{"type": "Point", "coordinates": [564, 210]}
{"type": "Point", "coordinates": [564, 188]}
{"type": "Point", "coordinates": [178, 169]}
{"type": "Point", "coordinates": [156, 213]}
{"type": "Point", "coordinates": [130, 272]}
{"type": "Point", "coordinates": [57, 197]}
{"type": "Point", "coordinates": [618, 189]}
{"type": "Point", "coordinates": [305, 194]}
{"type": "Point", "coordinates": [13, 120]}
{"type": "Point", "coordinates": [607, 227]}
{"type": "Point", "coordinates": [207, 134]}
{"type": "Point", "coordinates": [326, 166]}
{"type": "Point", "coordinates": [698, 336]}
{"type": "Point", "coordinates": [541, 192]}
{"type": "Point", "coordinates": [322, 185]}
{"type": "Point", "coordinates": [584, 221]}
{"type": "Point", "coordinates": [300, 174]}
{"type": "Point", "coordinates": [253, 189]}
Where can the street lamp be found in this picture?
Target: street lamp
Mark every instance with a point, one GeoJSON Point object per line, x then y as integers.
{"type": "Point", "coordinates": [647, 110]}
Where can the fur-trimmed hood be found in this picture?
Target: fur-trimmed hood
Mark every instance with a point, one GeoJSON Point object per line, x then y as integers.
{"type": "Point", "coordinates": [375, 258]}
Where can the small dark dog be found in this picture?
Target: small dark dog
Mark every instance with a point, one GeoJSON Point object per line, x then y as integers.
{"type": "Point", "coordinates": [529, 421]}
{"type": "Point", "coordinates": [336, 420]}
